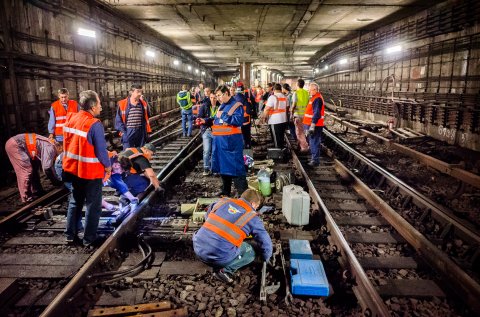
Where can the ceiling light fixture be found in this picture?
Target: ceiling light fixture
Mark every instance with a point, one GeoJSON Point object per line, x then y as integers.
{"type": "Point", "coordinates": [176, 62]}
{"type": "Point", "coordinates": [343, 61]}
{"type": "Point", "coordinates": [189, 67]}
{"type": "Point", "coordinates": [394, 49]}
{"type": "Point", "coordinates": [150, 53]}
{"type": "Point", "coordinates": [85, 32]}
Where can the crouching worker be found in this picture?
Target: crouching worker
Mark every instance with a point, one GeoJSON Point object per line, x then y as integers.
{"type": "Point", "coordinates": [27, 153]}
{"type": "Point", "coordinates": [139, 172]}
{"type": "Point", "coordinates": [219, 242]}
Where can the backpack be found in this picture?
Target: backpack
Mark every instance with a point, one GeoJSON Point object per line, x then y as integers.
{"type": "Point", "coordinates": [183, 100]}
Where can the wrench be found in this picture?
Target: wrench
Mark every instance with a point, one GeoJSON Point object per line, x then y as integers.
{"type": "Point", "coordinates": [264, 289]}
{"type": "Point", "coordinates": [288, 295]}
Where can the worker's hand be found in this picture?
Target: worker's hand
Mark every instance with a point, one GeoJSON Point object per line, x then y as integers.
{"type": "Point", "coordinates": [312, 128]}
{"type": "Point", "coordinates": [113, 153]}
{"type": "Point", "coordinates": [108, 173]}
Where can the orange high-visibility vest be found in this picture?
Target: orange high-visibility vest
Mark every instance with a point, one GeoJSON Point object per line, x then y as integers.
{"type": "Point", "coordinates": [246, 116]}
{"type": "Point", "coordinates": [61, 114]}
{"type": "Point", "coordinates": [232, 232]}
{"type": "Point", "coordinates": [276, 109]}
{"type": "Point", "coordinates": [31, 143]}
{"type": "Point", "coordinates": [131, 153]}
{"type": "Point", "coordinates": [307, 118]}
{"type": "Point", "coordinates": [122, 104]}
{"type": "Point", "coordinates": [79, 157]}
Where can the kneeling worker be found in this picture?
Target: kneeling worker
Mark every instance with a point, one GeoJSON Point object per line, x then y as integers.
{"type": "Point", "coordinates": [136, 161]}
{"type": "Point", "coordinates": [219, 242]}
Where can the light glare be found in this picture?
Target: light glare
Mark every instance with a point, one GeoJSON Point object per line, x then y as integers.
{"type": "Point", "coordinates": [176, 62]}
{"type": "Point", "coordinates": [394, 49]}
{"type": "Point", "coordinates": [150, 53]}
{"type": "Point", "coordinates": [85, 32]}
{"type": "Point", "coordinates": [343, 61]}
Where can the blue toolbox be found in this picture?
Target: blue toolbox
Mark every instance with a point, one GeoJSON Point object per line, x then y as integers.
{"type": "Point", "coordinates": [308, 277]}
{"type": "Point", "coordinates": [300, 249]}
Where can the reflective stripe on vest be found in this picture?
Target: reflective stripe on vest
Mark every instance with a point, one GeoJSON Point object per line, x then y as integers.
{"type": "Point", "coordinates": [232, 232]}
{"type": "Point", "coordinates": [122, 105]}
{"type": "Point", "coordinates": [61, 114]}
{"type": "Point", "coordinates": [79, 158]}
{"type": "Point", "coordinates": [302, 102]}
{"type": "Point", "coordinates": [307, 118]}
{"type": "Point", "coordinates": [31, 143]}
{"type": "Point", "coordinates": [225, 130]}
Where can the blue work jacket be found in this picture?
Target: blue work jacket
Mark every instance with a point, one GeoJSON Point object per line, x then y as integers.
{"type": "Point", "coordinates": [227, 150]}
{"type": "Point", "coordinates": [216, 250]}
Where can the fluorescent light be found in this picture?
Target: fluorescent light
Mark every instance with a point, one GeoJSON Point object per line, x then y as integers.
{"type": "Point", "coordinates": [85, 32]}
{"type": "Point", "coordinates": [196, 70]}
{"type": "Point", "coordinates": [176, 62]}
{"type": "Point", "coordinates": [394, 49]}
{"type": "Point", "coordinates": [189, 67]}
{"type": "Point", "coordinates": [317, 70]}
{"type": "Point", "coordinates": [203, 73]}
{"type": "Point", "coordinates": [343, 61]}
{"type": "Point", "coordinates": [150, 53]}
{"type": "Point", "coordinates": [326, 67]}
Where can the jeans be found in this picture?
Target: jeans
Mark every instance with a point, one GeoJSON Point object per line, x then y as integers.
{"type": "Point", "coordinates": [315, 141]}
{"type": "Point", "coordinates": [115, 181]}
{"type": "Point", "coordinates": [207, 149]}
{"type": "Point", "coordinates": [89, 192]}
{"type": "Point", "coordinates": [187, 116]}
{"type": "Point", "coordinates": [136, 183]}
{"type": "Point", "coordinates": [246, 256]}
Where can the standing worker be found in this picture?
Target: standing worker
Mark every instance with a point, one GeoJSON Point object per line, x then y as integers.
{"type": "Point", "coordinates": [299, 104]}
{"type": "Point", "coordinates": [184, 100]}
{"type": "Point", "coordinates": [276, 112]}
{"type": "Point", "coordinates": [27, 152]}
{"type": "Point", "coordinates": [132, 118]}
{"type": "Point", "coordinates": [219, 242]}
{"type": "Point", "coordinates": [58, 114]}
{"type": "Point", "coordinates": [227, 151]}
{"type": "Point", "coordinates": [206, 116]}
{"type": "Point", "coordinates": [85, 164]}
{"type": "Point", "coordinates": [313, 123]}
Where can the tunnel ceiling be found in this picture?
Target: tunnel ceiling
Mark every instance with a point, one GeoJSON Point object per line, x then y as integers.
{"type": "Point", "coordinates": [282, 35]}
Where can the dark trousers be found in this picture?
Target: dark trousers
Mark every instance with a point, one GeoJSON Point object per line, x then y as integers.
{"type": "Point", "coordinates": [247, 136]}
{"type": "Point", "coordinates": [89, 192]}
{"type": "Point", "coordinates": [240, 183]}
{"type": "Point", "coordinates": [278, 131]}
{"type": "Point", "coordinates": [134, 137]}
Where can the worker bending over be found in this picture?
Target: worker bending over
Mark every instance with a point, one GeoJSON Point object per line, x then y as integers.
{"type": "Point", "coordinates": [27, 152]}
{"type": "Point", "coordinates": [219, 242]}
{"type": "Point", "coordinates": [139, 171]}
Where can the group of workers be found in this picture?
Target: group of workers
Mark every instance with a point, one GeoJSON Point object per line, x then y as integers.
{"type": "Point", "coordinates": [82, 162]}
{"type": "Point", "coordinates": [225, 117]}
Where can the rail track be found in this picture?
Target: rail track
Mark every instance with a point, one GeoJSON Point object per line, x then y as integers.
{"type": "Point", "coordinates": [36, 261]}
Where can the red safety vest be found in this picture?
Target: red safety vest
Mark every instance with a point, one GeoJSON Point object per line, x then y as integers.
{"type": "Point", "coordinates": [232, 232]}
{"type": "Point", "coordinates": [79, 158]}
{"type": "Point", "coordinates": [61, 114]}
{"type": "Point", "coordinates": [31, 143]}
{"type": "Point", "coordinates": [122, 104]}
{"type": "Point", "coordinates": [307, 118]}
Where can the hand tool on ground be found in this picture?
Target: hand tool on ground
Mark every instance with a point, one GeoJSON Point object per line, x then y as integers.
{"type": "Point", "coordinates": [288, 295]}
{"type": "Point", "coordinates": [266, 289]}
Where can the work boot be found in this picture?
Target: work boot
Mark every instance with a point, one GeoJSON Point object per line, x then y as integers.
{"type": "Point", "coordinates": [223, 276]}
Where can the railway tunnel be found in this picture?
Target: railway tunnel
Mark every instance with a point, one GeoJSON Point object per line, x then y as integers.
{"type": "Point", "coordinates": [389, 201]}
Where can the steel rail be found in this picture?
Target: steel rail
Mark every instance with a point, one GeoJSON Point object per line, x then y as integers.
{"type": "Point", "coordinates": [458, 280]}
{"type": "Point", "coordinates": [62, 304]}
{"type": "Point", "coordinates": [416, 196]}
{"type": "Point", "coordinates": [365, 292]}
